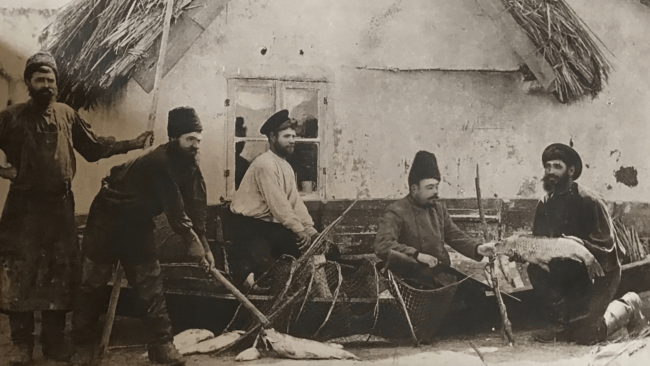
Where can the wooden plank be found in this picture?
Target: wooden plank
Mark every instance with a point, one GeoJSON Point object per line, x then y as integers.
{"type": "Point", "coordinates": [182, 35]}
{"type": "Point", "coordinates": [519, 41]}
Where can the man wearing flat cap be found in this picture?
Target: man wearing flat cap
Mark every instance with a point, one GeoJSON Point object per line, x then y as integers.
{"type": "Point", "coordinates": [413, 231]}
{"type": "Point", "coordinates": [570, 300]}
{"type": "Point", "coordinates": [270, 217]}
{"type": "Point", "coordinates": [120, 227]}
{"type": "Point", "coordinates": [39, 253]}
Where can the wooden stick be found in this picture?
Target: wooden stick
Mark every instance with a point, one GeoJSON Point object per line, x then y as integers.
{"type": "Point", "coordinates": [242, 299]}
{"type": "Point", "coordinates": [110, 313]}
{"type": "Point", "coordinates": [169, 8]}
{"type": "Point", "coordinates": [505, 322]}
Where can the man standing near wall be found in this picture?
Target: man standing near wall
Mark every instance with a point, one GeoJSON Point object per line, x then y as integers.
{"type": "Point", "coordinates": [572, 212]}
{"type": "Point", "coordinates": [412, 233]}
{"type": "Point", "coordinates": [120, 227]}
{"type": "Point", "coordinates": [270, 218]}
{"type": "Point", "coordinates": [39, 253]}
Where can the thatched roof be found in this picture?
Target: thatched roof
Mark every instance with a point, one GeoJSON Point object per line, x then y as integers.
{"type": "Point", "coordinates": [97, 44]}
{"type": "Point", "coordinates": [565, 41]}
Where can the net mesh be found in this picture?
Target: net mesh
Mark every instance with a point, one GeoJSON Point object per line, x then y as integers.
{"type": "Point", "coordinates": [350, 301]}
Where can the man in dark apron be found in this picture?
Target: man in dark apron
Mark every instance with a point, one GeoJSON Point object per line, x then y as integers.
{"type": "Point", "coordinates": [39, 252]}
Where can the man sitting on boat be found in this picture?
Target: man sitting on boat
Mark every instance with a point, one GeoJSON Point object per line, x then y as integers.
{"type": "Point", "coordinates": [412, 233]}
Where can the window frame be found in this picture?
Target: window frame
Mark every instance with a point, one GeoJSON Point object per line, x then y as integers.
{"type": "Point", "coordinates": [278, 87]}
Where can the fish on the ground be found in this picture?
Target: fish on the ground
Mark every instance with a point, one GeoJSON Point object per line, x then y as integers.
{"type": "Point", "coordinates": [541, 250]}
{"type": "Point", "coordinates": [213, 344]}
{"type": "Point", "coordinates": [249, 354]}
{"type": "Point", "coordinates": [303, 349]}
{"type": "Point", "coordinates": [190, 337]}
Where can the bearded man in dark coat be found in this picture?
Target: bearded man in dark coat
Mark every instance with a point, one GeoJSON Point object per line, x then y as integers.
{"type": "Point", "coordinates": [39, 252]}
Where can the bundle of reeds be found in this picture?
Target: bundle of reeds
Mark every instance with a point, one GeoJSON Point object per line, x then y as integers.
{"type": "Point", "coordinates": [633, 249]}
{"type": "Point", "coordinates": [565, 41]}
{"type": "Point", "coordinates": [97, 43]}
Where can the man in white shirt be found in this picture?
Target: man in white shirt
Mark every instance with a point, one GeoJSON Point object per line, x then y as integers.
{"type": "Point", "coordinates": [270, 218]}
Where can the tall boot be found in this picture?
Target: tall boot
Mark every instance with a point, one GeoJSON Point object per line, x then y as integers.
{"type": "Point", "coordinates": [53, 340]}
{"type": "Point", "coordinates": [22, 336]}
{"type": "Point", "coordinates": [558, 331]}
{"type": "Point", "coordinates": [147, 282]}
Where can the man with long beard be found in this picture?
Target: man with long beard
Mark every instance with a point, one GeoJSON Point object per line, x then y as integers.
{"type": "Point", "coordinates": [573, 303]}
{"type": "Point", "coordinates": [39, 252]}
{"type": "Point", "coordinates": [270, 217]}
{"type": "Point", "coordinates": [120, 227]}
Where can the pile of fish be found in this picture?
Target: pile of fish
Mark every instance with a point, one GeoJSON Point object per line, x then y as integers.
{"type": "Point", "coordinates": [541, 250]}
{"type": "Point", "coordinates": [273, 344]}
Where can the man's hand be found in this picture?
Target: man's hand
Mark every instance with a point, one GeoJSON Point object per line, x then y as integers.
{"type": "Point", "coordinates": [140, 142]}
{"type": "Point", "coordinates": [487, 249]}
{"type": "Point", "coordinates": [303, 240]}
{"type": "Point", "coordinates": [9, 173]}
{"type": "Point", "coordinates": [210, 258]}
{"type": "Point", "coordinates": [429, 260]}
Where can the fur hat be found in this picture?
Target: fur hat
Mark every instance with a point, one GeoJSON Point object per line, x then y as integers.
{"type": "Point", "coordinates": [37, 61]}
{"type": "Point", "coordinates": [424, 166]}
{"type": "Point", "coordinates": [183, 120]}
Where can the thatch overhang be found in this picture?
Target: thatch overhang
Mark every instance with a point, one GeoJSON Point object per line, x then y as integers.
{"type": "Point", "coordinates": [100, 44]}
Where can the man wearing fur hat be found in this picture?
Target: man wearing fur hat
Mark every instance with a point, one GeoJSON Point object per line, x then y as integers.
{"type": "Point", "coordinates": [573, 212]}
{"type": "Point", "coordinates": [120, 227]}
{"type": "Point", "coordinates": [412, 233]}
{"type": "Point", "coordinates": [39, 253]}
{"type": "Point", "coordinates": [270, 218]}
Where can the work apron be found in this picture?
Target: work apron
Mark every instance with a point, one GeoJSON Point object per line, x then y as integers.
{"type": "Point", "coordinates": [39, 250]}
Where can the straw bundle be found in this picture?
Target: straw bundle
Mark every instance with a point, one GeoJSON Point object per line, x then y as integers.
{"type": "Point", "coordinates": [581, 69]}
{"type": "Point", "coordinates": [97, 43]}
{"type": "Point", "coordinates": [633, 248]}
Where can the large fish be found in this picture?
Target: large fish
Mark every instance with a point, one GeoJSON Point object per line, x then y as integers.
{"type": "Point", "coordinates": [213, 344]}
{"type": "Point", "coordinates": [303, 349]}
{"type": "Point", "coordinates": [541, 250]}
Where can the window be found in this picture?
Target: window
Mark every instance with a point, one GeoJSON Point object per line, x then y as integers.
{"type": "Point", "coordinates": [251, 103]}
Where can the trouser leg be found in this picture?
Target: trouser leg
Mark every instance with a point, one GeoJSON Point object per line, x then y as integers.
{"type": "Point", "coordinates": [22, 328]}
{"type": "Point", "coordinates": [146, 280]}
{"type": "Point", "coordinates": [89, 302]}
{"type": "Point", "coordinates": [549, 294]}
{"type": "Point", "coordinates": [588, 321]}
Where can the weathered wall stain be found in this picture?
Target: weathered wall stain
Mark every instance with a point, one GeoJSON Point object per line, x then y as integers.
{"type": "Point", "coordinates": [528, 187]}
{"type": "Point", "coordinates": [627, 176]}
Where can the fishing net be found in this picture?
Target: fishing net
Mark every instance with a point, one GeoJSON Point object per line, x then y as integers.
{"type": "Point", "coordinates": [349, 301]}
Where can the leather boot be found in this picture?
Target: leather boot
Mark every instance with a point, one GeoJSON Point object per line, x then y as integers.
{"type": "Point", "coordinates": [165, 354]}
{"type": "Point", "coordinates": [22, 336]}
{"type": "Point", "coordinates": [53, 340]}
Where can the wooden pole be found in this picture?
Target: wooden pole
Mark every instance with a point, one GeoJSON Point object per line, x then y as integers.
{"type": "Point", "coordinates": [264, 322]}
{"type": "Point", "coordinates": [160, 67]}
{"type": "Point", "coordinates": [110, 313]}
{"type": "Point", "coordinates": [117, 278]}
{"type": "Point", "coordinates": [505, 322]}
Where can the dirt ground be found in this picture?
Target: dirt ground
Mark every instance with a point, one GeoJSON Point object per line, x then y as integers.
{"type": "Point", "coordinates": [448, 351]}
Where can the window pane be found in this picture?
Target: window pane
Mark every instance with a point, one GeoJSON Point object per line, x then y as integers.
{"type": "Point", "coordinates": [254, 105]}
{"type": "Point", "coordinates": [303, 106]}
{"type": "Point", "coordinates": [304, 161]}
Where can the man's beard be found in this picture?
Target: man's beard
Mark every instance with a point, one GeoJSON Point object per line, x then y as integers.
{"type": "Point", "coordinates": [552, 182]}
{"type": "Point", "coordinates": [190, 155]}
{"type": "Point", "coordinates": [43, 96]}
{"type": "Point", "coordinates": [285, 151]}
